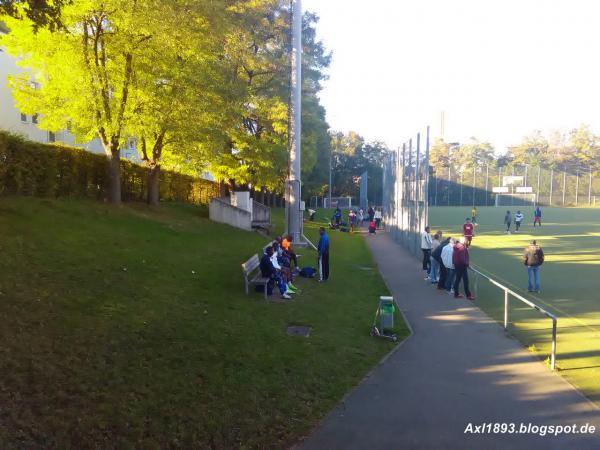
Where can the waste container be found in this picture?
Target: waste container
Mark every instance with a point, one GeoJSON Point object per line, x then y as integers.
{"type": "Point", "coordinates": [386, 313]}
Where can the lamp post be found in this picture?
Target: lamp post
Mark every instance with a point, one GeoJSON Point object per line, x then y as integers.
{"type": "Point", "coordinates": [294, 190]}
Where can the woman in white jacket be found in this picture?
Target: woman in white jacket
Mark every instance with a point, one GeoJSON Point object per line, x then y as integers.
{"type": "Point", "coordinates": [447, 253]}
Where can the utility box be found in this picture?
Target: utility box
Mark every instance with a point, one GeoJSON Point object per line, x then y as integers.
{"type": "Point", "coordinates": [386, 313]}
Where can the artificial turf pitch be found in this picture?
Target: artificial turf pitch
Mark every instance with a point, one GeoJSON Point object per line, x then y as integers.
{"type": "Point", "coordinates": [570, 281]}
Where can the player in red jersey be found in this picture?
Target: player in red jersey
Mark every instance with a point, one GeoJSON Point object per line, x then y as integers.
{"type": "Point", "coordinates": [468, 228]}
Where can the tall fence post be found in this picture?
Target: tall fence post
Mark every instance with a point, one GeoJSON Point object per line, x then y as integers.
{"type": "Point", "coordinates": [551, 186]}
{"type": "Point", "coordinates": [426, 181]}
{"type": "Point", "coordinates": [590, 188]}
{"type": "Point", "coordinates": [487, 174]}
{"type": "Point", "coordinates": [461, 188]}
{"type": "Point", "coordinates": [418, 225]}
{"type": "Point", "coordinates": [474, 172]}
{"type": "Point", "coordinates": [538, 191]}
{"type": "Point", "coordinates": [564, 186]}
{"type": "Point", "coordinates": [577, 188]}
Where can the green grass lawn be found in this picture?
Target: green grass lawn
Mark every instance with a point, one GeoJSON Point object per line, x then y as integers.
{"type": "Point", "coordinates": [129, 327]}
{"type": "Point", "coordinates": [571, 241]}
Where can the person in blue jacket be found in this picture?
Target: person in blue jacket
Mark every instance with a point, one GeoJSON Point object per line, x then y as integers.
{"type": "Point", "coordinates": [337, 216]}
{"type": "Point", "coordinates": [268, 271]}
{"type": "Point", "coordinates": [323, 249]}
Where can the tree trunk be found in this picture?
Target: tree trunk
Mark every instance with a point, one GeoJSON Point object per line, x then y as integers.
{"type": "Point", "coordinates": [114, 188]}
{"type": "Point", "coordinates": [153, 184]}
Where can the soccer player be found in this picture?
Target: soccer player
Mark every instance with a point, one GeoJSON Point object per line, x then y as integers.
{"type": "Point", "coordinates": [468, 231]}
{"type": "Point", "coordinates": [508, 221]}
{"type": "Point", "coordinates": [537, 217]}
{"type": "Point", "coordinates": [474, 215]}
{"type": "Point", "coordinates": [518, 220]}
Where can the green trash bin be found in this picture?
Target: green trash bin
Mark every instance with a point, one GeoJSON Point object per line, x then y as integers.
{"type": "Point", "coordinates": [386, 313]}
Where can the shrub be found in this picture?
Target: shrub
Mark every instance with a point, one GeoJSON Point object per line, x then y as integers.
{"type": "Point", "coordinates": [32, 168]}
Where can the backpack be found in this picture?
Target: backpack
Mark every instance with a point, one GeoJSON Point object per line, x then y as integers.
{"type": "Point", "coordinates": [539, 256]}
{"type": "Point", "coordinates": [308, 272]}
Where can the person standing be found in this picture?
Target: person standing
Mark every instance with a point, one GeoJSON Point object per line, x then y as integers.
{"type": "Point", "coordinates": [337, 216]}
{"type": "Point", "coordinates": [371, 213]}
{"type": "Point", "coordinates": [533, 258]}
{"type": "Point", "coordinates": [352, 220]}
{"type": "Point", "coordinates": [537, 217]}
{"type": "Point", "coordinates": [323, 249]}
{"type": "Point", "coordinates": [468, 229]}
{"type": "Point", "coordinates": [460, 259]}
{"type": "Point", "coordinates": [518, 220]}
{"type": "Point", "coordinates": [361, 217]}
{"type": "Point", "coordinates": [426, 243]}
{"type": "Point", "coordinates": [437, 255]}
{"type": "Point", "coordinates": [378, 216]}
{"type": "Point", "coordinates": [474, 215]}
{"type": "Point", "coordinates": [447, 253]}
{"type": "Point", "coordinates": [434, 264]}
{"type": "Point", "coordinates": [508, 221]}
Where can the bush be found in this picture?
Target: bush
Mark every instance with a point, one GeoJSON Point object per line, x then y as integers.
{"type": "Point", "coordinates": [35, 169]}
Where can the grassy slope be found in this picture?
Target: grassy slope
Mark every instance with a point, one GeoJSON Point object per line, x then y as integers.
{"type": "Point", "coordinates": [569, 277]}
{"type": "Point", "coordinates": [110, 340]}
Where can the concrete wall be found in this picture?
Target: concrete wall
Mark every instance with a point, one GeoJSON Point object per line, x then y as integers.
{"type": "Point", "coordinates": [242, 200]}
{"type": "Point", "coordinates": [221, 211]}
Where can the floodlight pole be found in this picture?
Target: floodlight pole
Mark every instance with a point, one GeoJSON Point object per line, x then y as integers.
{"type": "Point", "coordinates": [293, 191]}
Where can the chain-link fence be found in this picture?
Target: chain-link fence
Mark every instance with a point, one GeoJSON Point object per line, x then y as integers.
{"type": "Point", "coordinates": [405, 181]}
{"type": "Point", "coordinates": [577, 186]}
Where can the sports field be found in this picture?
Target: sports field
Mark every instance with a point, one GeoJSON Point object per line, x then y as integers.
{"type": "Point", "coordinates": [570, 281]}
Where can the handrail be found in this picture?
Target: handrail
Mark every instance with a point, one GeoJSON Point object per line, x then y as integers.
{"type": "Point", "coordinates": [528, 302]}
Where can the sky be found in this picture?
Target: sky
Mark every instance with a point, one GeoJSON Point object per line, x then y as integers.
{"type": "Point", "coordinates": [498, 69]}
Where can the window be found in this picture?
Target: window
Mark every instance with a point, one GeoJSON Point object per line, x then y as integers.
{"type": "Point", "coordinates": [24, 118]}
{"type": "Point", "coordinates": [51, 136]}
{"type": "Point", "coordinates": [34, 118]}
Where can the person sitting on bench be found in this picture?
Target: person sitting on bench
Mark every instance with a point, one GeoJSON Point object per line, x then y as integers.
{"type": "Point", "coordinates": [281, 262]}
{"type": "Point", "coordinates": [268, 271]}
{"type": "Point", "coordinates": [286, 244]}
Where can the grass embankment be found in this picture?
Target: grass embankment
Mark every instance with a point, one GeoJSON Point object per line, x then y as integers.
{"type": "Point", "coordinates": [569, 282]}
{"type": "Point", "coordinates": [129, 327]}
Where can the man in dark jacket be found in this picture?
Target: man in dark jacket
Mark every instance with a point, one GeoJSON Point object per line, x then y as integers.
{"type": "Point", "coordinates": [437, 255]}
{"type": "Point", "coordinates": [533, 258]}
{"type": "Point", "coordinates": [268, 271]}
{"type": "Point", "coordinates": [323, 248]}
{"type": "Point", "coordinates": [460, 259]}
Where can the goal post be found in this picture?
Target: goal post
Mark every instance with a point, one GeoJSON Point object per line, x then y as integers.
{"type": "Point", "coordinates": [521, 199]}
{"type": "Point", "coordinates": [338, 202]}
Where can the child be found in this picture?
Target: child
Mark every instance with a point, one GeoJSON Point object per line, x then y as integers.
{"type": "Point", "coordinates": [474, 215]}
{"type": "Point", "coordinates": [518, 220]}
{"type": "Point", "coordinates": [372, 227]}
{"type": "Point", "coordinates": [468, 231]}
{"type": "Point", "coordinates": [537, 217]}
{"type": "Point", "coordinates": [508, 221]}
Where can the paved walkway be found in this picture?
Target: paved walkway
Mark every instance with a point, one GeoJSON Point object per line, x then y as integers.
{"type": "Point", "coordinates": [457, 368]}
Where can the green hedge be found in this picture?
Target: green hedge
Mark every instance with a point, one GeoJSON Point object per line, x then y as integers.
{"type": "Point", "coordinates": [31, 168]}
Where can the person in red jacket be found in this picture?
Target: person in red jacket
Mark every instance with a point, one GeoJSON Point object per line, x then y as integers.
{"type": "Point", "coordinates": [460, 259]}
{"type": "Point", "coordinates": [468, 228]}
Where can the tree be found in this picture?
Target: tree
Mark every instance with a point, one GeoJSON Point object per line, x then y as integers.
{"type": "Point", "coordinates": [85, 72]}
{"type": "Point", "coordinates": [40, 13]}
{"type": "Point", "coordinates": [186, 94]}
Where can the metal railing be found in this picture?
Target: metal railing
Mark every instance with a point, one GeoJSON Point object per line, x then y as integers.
{"type": "Point", "coordinates": [508, 291]}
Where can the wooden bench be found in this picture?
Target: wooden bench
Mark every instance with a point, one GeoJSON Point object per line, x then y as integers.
{"type": "Point", "coordinates": [248, 268]}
